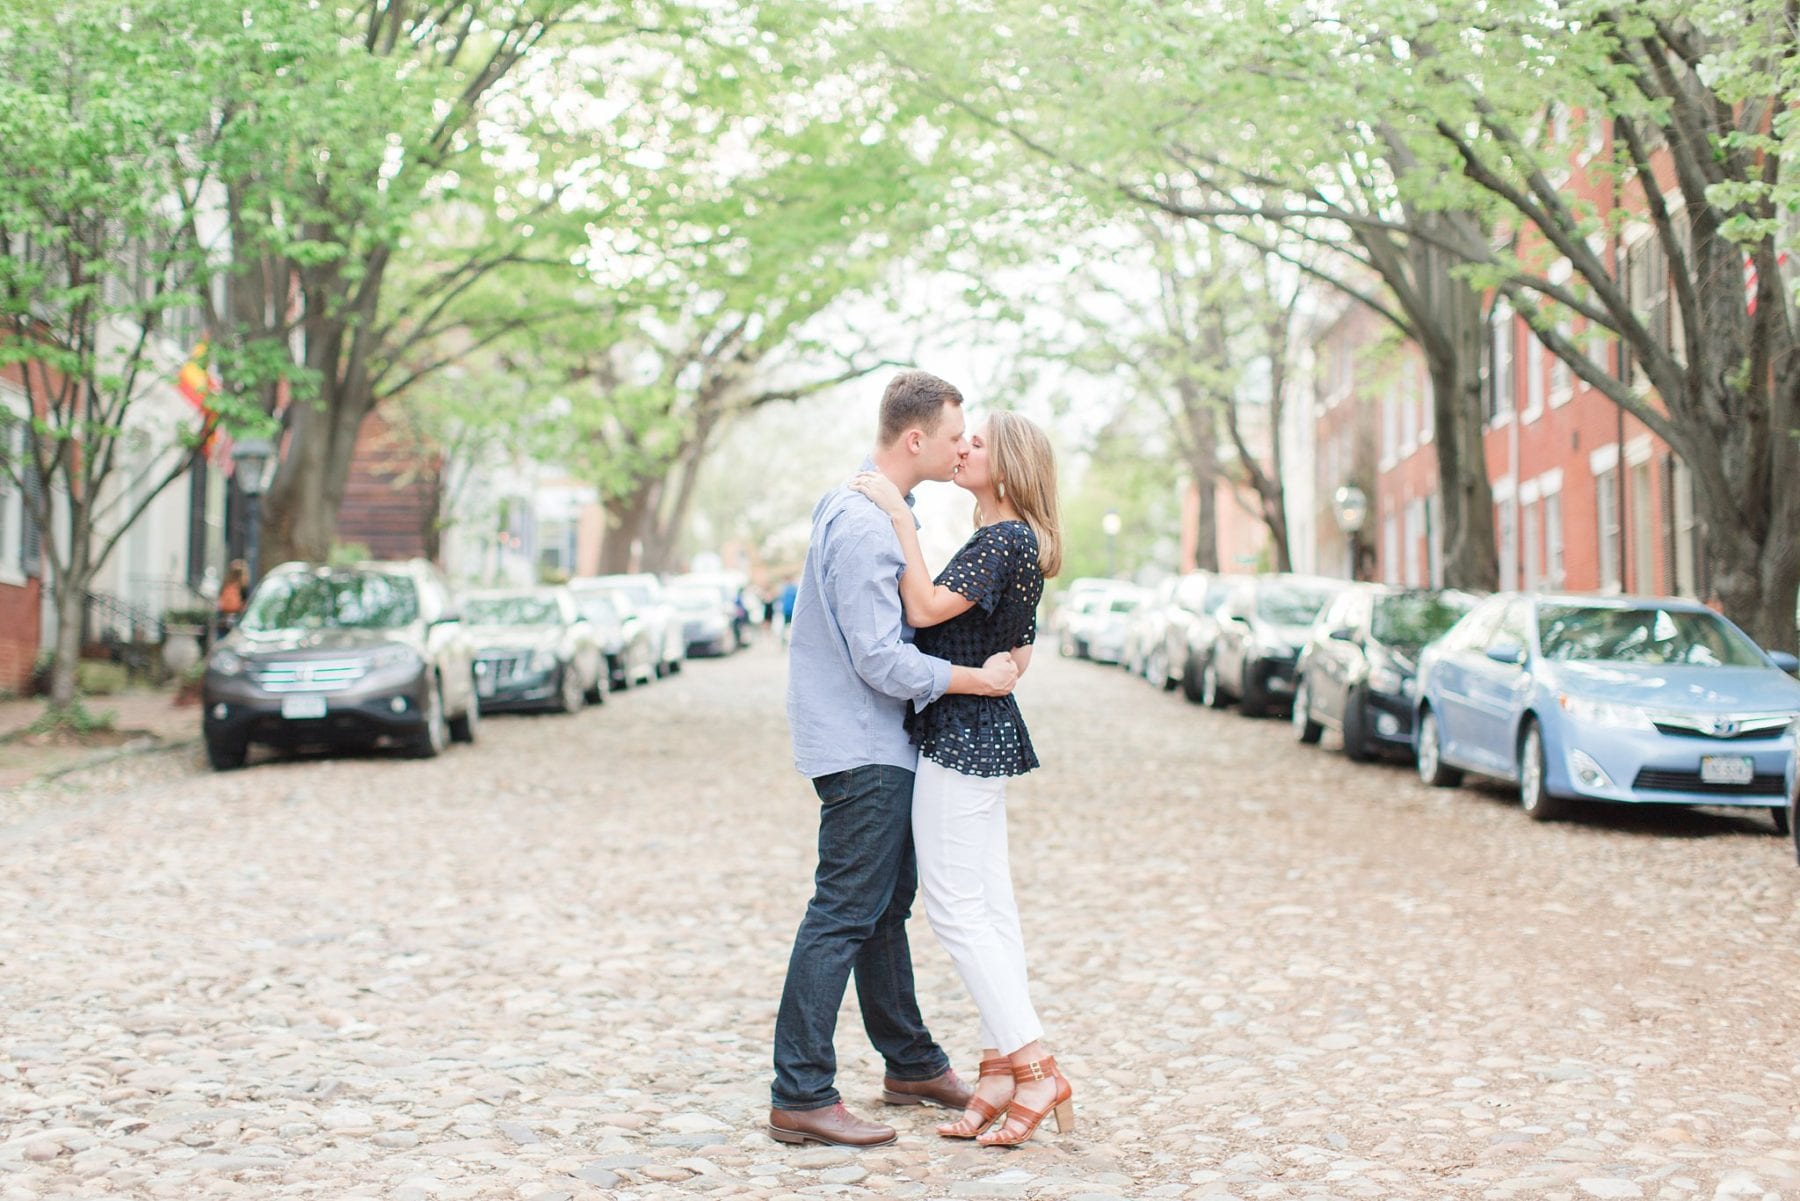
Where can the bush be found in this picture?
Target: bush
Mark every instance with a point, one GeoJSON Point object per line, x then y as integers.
{"type": "Point", "coordinates": [77, 719]}
{"type": "Point", "coordinates": [188, 617]}
{"type": "Point", "coordinates": [96, 678]}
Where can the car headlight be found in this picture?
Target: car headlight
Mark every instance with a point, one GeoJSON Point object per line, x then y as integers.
{"type": "Point", "coordinates": [543, 660]}
{"type": "Point", "coordinates": [1603, 713]}
{"type": "Point", "coordinates": [396, 655]}
{"type": "Point", "coordinates": [1387, 680]}
{"type": "Point", "coordinates": [227, 663]}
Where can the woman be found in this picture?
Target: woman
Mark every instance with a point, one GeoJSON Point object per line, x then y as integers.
{"type": "Point", "coordinates": [232, 595]}
{"type": "Point", "coordinates": [983, 603]}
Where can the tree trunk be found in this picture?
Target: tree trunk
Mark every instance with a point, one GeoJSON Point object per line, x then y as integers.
{"type": "Point", "coordinates": [300, 512]}
{"type": "Point", "coordinates": [1204, 467]}
{"type": "Point", "coordinates": [625, 520]}
{"type": "Point", "coordinates": [71, 596]}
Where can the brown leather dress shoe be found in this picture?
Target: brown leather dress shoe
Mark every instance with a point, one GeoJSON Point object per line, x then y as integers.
{"type": "Point", "coordinates": [833, 1125]}
{"type": "Point", "coordinates": [946, 1091]}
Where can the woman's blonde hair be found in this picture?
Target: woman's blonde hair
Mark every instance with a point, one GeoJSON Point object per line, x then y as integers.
{"type": "Point", "coordinates": [1022, 463]}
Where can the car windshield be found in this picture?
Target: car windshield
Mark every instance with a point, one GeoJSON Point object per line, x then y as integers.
{"type": "Point", "coordinates": [363, 600]}
{"type": "Point", "coordinates": [693, 600]}
{"type": "Point", "coordinates": [1413, 620]}
{"type": "Point", "coordinates": [511, 611]}
{"type": "Point", "coordinates": [640, 594]}
{"type": "Point", "coordinates": [596, 607]}
{"type": "Point", "coordinates": [1287, 605]}
{"type": "Point", "coordinates": [1646, 635]}
{"type": "Point", "coordinates": [1125, 604]}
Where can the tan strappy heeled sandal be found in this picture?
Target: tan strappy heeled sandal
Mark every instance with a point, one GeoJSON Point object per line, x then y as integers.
{"type": "Point", "coordinates": [1063, 1105]}
{"type": "Point", "coordinates": [984, 1113]}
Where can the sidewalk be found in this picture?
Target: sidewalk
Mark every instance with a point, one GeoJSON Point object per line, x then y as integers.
{"type": "Point", "coordinates": [139, 716]}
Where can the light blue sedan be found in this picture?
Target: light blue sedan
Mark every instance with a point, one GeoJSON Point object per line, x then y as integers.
{"type": "Point", "coordinates": [1628, 699]}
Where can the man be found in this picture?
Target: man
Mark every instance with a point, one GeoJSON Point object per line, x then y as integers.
{"type": "Point", "coordinates": [852, 672]}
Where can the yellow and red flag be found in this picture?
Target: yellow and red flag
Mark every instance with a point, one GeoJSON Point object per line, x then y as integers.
{"type": "Point", "coordinates": [196, 383]}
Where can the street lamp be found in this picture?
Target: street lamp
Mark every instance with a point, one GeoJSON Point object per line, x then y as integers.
{"type": "Point", "coordinates": [251, 460]}
{"type": "Point", "coordinates": [1109, 524]}
{"type": "Point", "coordinates": [1351, 508]}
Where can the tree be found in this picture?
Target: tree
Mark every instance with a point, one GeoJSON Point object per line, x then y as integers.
{"type": "Point", "coordinates": [1690, 105]}
{"type": "Point", "coordinates": [100, 277]}
{"type": "Point", "coordinates": [1242, 124]}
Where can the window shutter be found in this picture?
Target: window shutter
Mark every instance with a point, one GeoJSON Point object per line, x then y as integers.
{"type": "Point", "coordinates": [31, 539]}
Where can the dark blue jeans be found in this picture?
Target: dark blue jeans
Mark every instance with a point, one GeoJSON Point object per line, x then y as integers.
{"type": "Point", "coordinates": [855, 923]}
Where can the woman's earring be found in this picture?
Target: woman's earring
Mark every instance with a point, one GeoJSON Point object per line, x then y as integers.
{"type": "Point", "coordinates": [1002, 489]}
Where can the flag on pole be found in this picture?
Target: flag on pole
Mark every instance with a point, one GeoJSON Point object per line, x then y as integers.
{"type": "Point", "coordinates": [196, 383]}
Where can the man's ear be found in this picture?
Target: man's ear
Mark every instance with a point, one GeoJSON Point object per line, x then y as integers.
{"type": "Point", "coordinates": [915, 440]}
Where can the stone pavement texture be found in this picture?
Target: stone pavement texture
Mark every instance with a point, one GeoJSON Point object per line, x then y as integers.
{"type": "Point", "coordinates": [547, 967]}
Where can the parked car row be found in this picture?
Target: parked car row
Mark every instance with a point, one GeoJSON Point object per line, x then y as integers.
{"type": "Point", "coordinates": [385, 654]}
{"type": "Point", "coordinates": [1569, 698]}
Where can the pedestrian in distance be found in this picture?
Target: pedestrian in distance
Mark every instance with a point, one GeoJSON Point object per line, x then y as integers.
{"type": "Point", "coordinates": [233, 593]}
{"type": "Point", "coordinates": [984, 602]}
{"type": "Point", "coordinates": [853, 675]}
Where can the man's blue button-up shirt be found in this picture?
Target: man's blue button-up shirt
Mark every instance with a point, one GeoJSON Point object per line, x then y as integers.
{"type": "Point", "coordinates": [852, 667]}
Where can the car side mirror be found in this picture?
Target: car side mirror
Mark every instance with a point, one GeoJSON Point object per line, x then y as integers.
{"type": "Point", "coordinates": [1509, 653]}
{"type": "Point", "coordinates": [1785, 661]}
{"type": "Point", "coordinates": [1344, 634]}
{"type": "Point", "coordinates": [445, 619]}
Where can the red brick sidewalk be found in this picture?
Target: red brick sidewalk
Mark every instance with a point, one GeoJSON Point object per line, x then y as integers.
{"type": "Point", "coordinates": [152, 713]}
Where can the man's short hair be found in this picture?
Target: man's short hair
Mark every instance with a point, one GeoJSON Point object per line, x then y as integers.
{"type": "Point", "coordinates": [914, 398]}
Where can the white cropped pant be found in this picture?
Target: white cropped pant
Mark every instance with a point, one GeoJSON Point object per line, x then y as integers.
{"type": "Point", "coordinates": [959, 830]}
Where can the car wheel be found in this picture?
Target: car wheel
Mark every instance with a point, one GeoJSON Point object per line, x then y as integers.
{"type": "Point", "coordinates": [1534, 789]}
{"type": "Point", "coordinates": [570, 695]}
{"type": "Point", "coordinates": [434, 736]}
{"type": "Point", "coordinates": [464, 728]}
{"type": "Point", "coordinates": [1211, 695]}
{"type": "Point", "coordinates": [1780, 817]}
{"type": "Point", "coordinates": [226, 754]}
{"type": "Point", "coordinates": [618, 673]}
{"type": "Point", "coordinates": [1190, 680]}
{"type": "Point", "coordinates": [596, 693]}
{"type": "Point", "coordinates": [1357, 744]}
{"type": "Point", "coordinates": [1251, 701]}
{"type": "Point", "coordinates": [1431, 764]}
{"type": "Point", "coordinates": [1305, 728]}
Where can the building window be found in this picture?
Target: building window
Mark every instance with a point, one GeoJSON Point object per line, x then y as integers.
{"type": "Point", "coordinates": [1534, 555]}
{"type": "Point", "coordinates": [1409, 412]}
{"type": "Point", "coordinates": [1390, 429]}
{"type": "Point", "coordinates": [1606, 518]}
{"type": "Point", "coordinates": [1562, 376]}
{"type": "Point", "coordinates": [1534, 377]}
{"type": "Point", "coordinates": [12, 500]}
{"type": "Point", "coordinates": [1684, 528]}
{"type": "Point", "coordinates": [1553, 541]}
{"type": "Point", "coordinates": [1390, 550]}
{"type": "Point", "coordinates": [1500, 359]}
{"type": "Point", "coordinates": [1415, 537]}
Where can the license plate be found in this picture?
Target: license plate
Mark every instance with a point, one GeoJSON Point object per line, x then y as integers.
{"type": "Point", "coordinates": [301, 707]}
{"type": "Point", "coordinates": [1726, 769]}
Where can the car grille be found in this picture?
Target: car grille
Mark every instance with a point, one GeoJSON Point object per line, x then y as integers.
{"type": "Point", "coordinates": [1720, 727]}
{"type": "Point", "coordinates": [1689, 781]}
{"type": "Point", "coordinates": [501, 669]}
{"type": "Point", "coordinates": [309, 675]}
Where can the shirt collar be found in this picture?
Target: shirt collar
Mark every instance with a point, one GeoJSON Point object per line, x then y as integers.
{"type": "Point", "coordinates": [868, 464]}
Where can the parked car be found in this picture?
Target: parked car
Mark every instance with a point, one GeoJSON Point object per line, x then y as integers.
{"type": "Point", "coordinates": [624, 638]}
{"type": "Point", "coordinates": [1355, 672]}
{"type": "Point", "coordinates": [1629, 699]}
{"type": "Point", "coordinates": [1073, 606]}
{"type": "Point", "coordinates": [730, 588]}
{"type": "Point", "coordinates": [1106, 621]}
{"type": "Point", "coordinates": [341, 656]}
{"type": "Point", "coordinates": [1190, 627]}
{"type": "Point", "coordinates": [1262, 622]}
{"type": "Point", "coordinates": [647, 597]}
{"type": "Point", "coordinates": [706, 627]}
{"type": "Point", "coordinates": [534, 650]}
{"type": "Point", "coordinates": [1149, 625]}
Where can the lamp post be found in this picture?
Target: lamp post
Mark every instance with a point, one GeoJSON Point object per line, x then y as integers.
{"type": "Point", "coordinates": [1351, 508]}
{"type": "Point", "coordinates": [251, 460]}
{"type": "Point", "coordinates": [1109, 524]}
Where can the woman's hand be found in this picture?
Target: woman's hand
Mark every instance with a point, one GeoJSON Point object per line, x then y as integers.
{"type": "Point", "coordinates": [881, 490]}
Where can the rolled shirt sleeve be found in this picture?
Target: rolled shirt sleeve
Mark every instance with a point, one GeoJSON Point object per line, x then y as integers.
{"type": "Point", "coordinates": [862, 583]}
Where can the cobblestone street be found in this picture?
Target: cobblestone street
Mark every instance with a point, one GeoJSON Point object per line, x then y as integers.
{"type": "Point", "coordinates": [547, 966]}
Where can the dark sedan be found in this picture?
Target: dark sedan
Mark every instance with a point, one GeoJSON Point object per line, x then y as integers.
{"type": "Point", "coordinates": [1262, 623]}
{"type": "Point", "coordinates": [534, 651]}
{"type": "Point", "coordinates": [1356, 670]}
{"type": "Point", "coordinates": [341, 656]}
